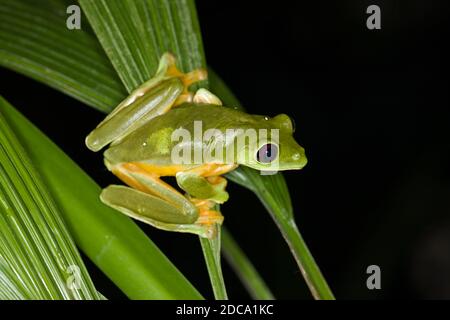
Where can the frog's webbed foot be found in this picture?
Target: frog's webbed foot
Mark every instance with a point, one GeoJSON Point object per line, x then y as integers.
{"type": "Point", "coordinates": [168, 88]}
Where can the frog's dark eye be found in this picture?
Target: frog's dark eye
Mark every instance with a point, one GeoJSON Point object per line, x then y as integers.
{"type": "Point", "coordinates": [267, 153]}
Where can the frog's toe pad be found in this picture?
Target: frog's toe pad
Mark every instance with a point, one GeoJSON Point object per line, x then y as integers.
{"type": "Point", "coordinates": [205, 96]}
{"type": "Point", "coordinates": [218, 184]}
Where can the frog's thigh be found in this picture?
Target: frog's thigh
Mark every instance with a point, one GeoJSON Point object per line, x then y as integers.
{"type": "Point", "coordinates": [157, 212]}
{"type": "Point", "coordinates": [153, 188]}
{"type": "Point", "coordinates": [203, 188]}
{"type": "Point", "coordinates": [145, 207]}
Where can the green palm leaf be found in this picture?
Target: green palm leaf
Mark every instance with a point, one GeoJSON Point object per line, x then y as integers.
{"type": "Point", "coordinates": [111, 240]}
{"type": "Point", "coordinates": [34, 41]}
{"type": "Point", "coordinates": [38, 259]}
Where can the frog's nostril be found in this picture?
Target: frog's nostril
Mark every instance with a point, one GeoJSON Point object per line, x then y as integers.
{"type": "Point", "coordinates": [296, 156]}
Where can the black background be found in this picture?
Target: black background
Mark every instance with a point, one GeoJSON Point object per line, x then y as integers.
{"type": "Point", "coordinates": [371, 109]}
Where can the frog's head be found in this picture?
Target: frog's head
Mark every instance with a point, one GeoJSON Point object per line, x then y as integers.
{"type": "Point", "coordinates": [275, 148]}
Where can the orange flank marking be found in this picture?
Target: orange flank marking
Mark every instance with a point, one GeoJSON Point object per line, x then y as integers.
{"type": "Point", "coordinates": [122, 173]}
{"type": "Point", "coordinates": [204, 170]}
{"type": "Point", "coordinates": [160, 171]}
{"type": "Point", "coordinates": [212, 169]}
{"type": "Point", "coordinates": [124, 170]}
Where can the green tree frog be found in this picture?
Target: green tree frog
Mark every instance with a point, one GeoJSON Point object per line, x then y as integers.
{"type": "Point", "coordinates": [141, 131]}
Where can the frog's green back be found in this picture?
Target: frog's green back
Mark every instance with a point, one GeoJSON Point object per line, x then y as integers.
{"type": "Point", "coordinates": [153, 143]}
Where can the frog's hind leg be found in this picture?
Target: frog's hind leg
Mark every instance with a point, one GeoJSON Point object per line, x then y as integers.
{"type": "Point", "coordinates": [152, 201]}
{"type": "Point", "coordinates": [168, 88]}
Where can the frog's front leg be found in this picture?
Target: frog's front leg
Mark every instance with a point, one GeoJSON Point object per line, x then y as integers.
{"type": "Point", "coordinates": [211, 188]}
{"type": "Point", "coordinates": [168, 88]}
{"type": "Point", "coordinates": [152, 201]}
{"type": "Point", "coordinates": [205, 182]}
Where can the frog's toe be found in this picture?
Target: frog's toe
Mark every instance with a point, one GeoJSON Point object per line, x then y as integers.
{"type": "Point", "coordinates": [168, 68]}
{"type": "Point", "coordinates": [205, 96]}
{"type": "Point", "coordinates": [218, 184]}
{"type": "Point", "coordinates": [220, 197]}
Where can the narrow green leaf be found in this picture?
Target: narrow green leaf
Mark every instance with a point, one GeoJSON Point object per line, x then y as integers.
{"type": "Point", "coordinates": [34, 41]}
{"type": "Point", "coordinates": [111, 240]}
{"type": "Point", "coordinates": [135, 34]}
{"type": "Point", "coordinates": [211, 252]}
{"type": "Point", "coordinates": [245, 269]}
{"type": "Point", "coordinates": [38, 259]}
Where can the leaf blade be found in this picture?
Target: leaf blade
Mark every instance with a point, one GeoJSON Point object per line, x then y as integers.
{"type": "Point", "coordinates": [36, 250]}
{"type": "Point", "coordinates": [35, 41]}
{"type": "Point", "coordinates": [111, 240]}
{"type": "Point", "coordinates": [125, 42]}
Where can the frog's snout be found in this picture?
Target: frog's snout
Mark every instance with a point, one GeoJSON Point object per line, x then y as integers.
{"type": "Point", "coordinates": [300, 160]}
